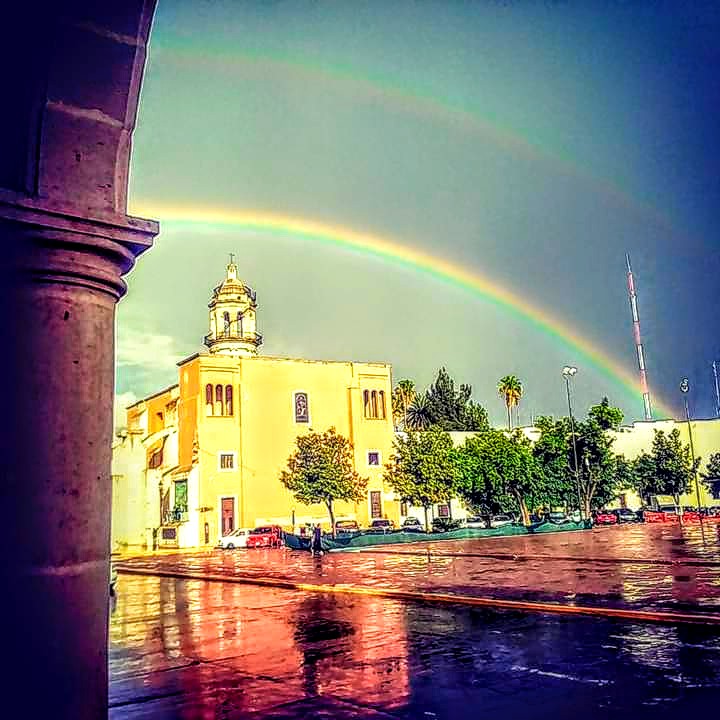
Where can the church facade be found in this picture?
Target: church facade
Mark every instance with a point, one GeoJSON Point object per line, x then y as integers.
{"type": "Point", "coordinates": [203, 457]}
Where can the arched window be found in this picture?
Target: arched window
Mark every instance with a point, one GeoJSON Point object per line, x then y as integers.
{"type": "Point", "coordinates": [208, 399]}
{"type": "Point", "coordinates": [226, 323]}
{"type": "Point", "coordinates": [228, 400]}
{"type": "Point", "coordinates": [366, 403]}
{"type": "Point", "coordinates": [381, 403]}
{"type": "Point", "coordinates": [218, 399]}
{"type": "Point", "coordinates": [239, 324]}
{"type": "Point", "coordinates": [373, 404]}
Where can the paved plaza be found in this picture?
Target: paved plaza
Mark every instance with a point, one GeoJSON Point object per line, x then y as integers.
{"type": "Point", "coordinates": [192, 648]}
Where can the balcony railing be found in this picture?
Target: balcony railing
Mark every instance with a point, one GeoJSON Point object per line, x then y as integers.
{"type": "Point", "coordinates": [176, 516]}
{"type": "Point", "coordinates": [251, 337]}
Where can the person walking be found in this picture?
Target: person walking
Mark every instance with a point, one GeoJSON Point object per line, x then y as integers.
{"type": "Point", "coordinates": [316, 544]}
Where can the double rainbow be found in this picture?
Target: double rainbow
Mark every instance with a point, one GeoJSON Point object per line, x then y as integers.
{"type": "Point", "coordinates": [418, 261]}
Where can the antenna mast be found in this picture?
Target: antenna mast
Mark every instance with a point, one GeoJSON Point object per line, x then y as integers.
{"type": "Point", "coordinates": [638, 340]}
{"type": "Point", "coordinates": [717, 389]}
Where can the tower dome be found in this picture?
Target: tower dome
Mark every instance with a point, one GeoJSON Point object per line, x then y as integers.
{"type": "Point", "coordinates": [233, 329]}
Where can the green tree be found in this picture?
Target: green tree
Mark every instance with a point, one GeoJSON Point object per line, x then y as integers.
{"type": "Point", "coordinates": [670, 469]}
{"type": "Point", "coordinates": [644, 476]}
{"type": "Point", "coordinates": [597, 467]}
{"type": "Point", "coordinates": [452, 409]}
{"type": "Point", "coordinates": [402, 398]}
{"type": "Point", "coordinates": [553, 454]}
{"type": "Point", "coordinates": [499, 472]}
{"type": "Point", "coordinates": [712, 471]}
{"type": "Point", "coordinates": [606, 416]}
{"type": "Point", "coordinates": [511, 390]}
{"type": "Point", "coordinates": [418, 413]}
{"type": "Point", "coordinates": [423, 468]}
{"type": "Point", "coordinates": [322, 470]}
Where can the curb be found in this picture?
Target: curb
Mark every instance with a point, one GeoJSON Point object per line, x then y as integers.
{"type": "Point", "coordinates": [646, 616]}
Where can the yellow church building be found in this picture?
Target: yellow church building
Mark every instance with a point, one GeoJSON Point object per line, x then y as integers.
{"type": "Point", "coordinates": [203, 457]}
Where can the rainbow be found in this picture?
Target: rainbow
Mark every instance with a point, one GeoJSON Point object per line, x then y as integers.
{"type": "Point", "coordinates": [455, 115]}
{"type": "Point", "coordinates": [418, 261]}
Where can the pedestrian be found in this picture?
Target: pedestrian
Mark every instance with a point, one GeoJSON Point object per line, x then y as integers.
{"type": "Point", "coordinates": [316, 545]}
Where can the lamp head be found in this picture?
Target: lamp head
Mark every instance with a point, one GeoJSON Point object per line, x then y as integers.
{"type": "Point", "coordinates": [569, 371]}
{"type": "Point", "coordinates": [684, 385]}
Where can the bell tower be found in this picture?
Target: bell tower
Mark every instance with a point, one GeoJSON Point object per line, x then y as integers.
{"type": "Point", "coordinates": [233, 329]}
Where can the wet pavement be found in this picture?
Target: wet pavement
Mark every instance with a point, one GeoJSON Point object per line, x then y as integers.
{"type": "Point", "coordinates": [640, 567]}
{"type": "Point", "coordinates": [195, 650]}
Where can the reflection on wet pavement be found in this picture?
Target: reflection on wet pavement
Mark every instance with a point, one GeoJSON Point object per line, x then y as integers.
{"type": "Point", "coordinates": [647, 567]}
{"type": "Point", "coordinates": [193, 649]}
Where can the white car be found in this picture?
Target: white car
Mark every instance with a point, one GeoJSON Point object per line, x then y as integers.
{"type": "Point", "coordinates": [236, 539]}
{"type": "Point", "coordinates": [475, 522]}
{"type": "Point", "coordinates": [502, 520]}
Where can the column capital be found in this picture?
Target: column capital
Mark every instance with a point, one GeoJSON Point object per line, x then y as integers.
{"type": "Point", "coordinates": [55, 245]}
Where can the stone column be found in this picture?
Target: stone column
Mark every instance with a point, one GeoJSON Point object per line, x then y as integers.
{"type": "Point", "coordinates": [60, 279]}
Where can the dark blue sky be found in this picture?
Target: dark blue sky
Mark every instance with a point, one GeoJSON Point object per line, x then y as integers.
{"type": "Point", "coordinates": [535, 142]}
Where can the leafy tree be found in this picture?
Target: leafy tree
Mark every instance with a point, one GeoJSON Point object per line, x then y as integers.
{"type": "Point", "coordinates": [712, 471]}
{"type": "Point", "coordinates": [418, 413]}
{"type": "Point", "coordinates": [475, 418]}
{"type": "Point", "coordinates": [669, 469]}
{"type": "Point", "coordinates": [499, 472]}
{"type": "Point", "coordinates": [321, 470]}
{"type": "Point", "coordinates": [600, 473]}
{"type": "Point", "coordinates": [553, 454]}
{"type": "Point", "coordinates": [606, 416]}
{"type": "Point", "coordinates": [402, 398]}
{"type": "Point", "coordinates": [423, 468]}
{"type": "Point", "coordinates": [644, 476]}
{"type": "Point", "coordinates": [452, 409]}
{"type": "Point", "coordinates": [511, 390]}
{"type": "Point", "coordinates": [597, 478]}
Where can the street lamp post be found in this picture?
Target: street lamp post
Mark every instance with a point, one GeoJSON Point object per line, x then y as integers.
{"type": "Point", "coordinates": [568, 372]}
{"type": "Point", "coordinates": [684, 388]}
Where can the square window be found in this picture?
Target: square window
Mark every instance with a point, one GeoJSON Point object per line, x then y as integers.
{"type": "Point", "coordinates": [373, 458]}
{"type": "Point", "coordinates": [227, 461]}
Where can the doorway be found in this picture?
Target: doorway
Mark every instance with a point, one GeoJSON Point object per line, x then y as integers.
{"type": "Point", "coordinates": [227, 515]}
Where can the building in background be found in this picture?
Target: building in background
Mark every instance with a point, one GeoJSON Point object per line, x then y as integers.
{"type": "Point", "coordinates": [203, 457]}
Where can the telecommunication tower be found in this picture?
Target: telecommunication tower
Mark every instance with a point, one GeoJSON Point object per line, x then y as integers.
{"type": "Point", "coordinates": [638, 340]}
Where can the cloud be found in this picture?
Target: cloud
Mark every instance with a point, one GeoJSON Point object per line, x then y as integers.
{"type": "Point", "coordinates": [147, 350]}
{"type": "Point", "coordinates": [121, 402]}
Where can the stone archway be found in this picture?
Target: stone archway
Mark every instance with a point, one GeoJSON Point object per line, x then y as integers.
{"type": "Point", "coordinates": [69, 106]}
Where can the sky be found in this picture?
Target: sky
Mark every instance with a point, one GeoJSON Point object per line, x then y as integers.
{"type": "Point", "coordinates": [436, 184]}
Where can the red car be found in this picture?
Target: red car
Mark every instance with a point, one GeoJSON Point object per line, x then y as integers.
{"type": "Point", "coordinates": [266, 536]}
{"type": "Point", "coordinates": [604, 517]}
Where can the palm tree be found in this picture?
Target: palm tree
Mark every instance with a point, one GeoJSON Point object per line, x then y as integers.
{"type": "Point", "coordinates": [511, 389]}
{"type": "Point", "coordinates": [403, 396]}
{"type": "Point", "coordinates": [418, 413]}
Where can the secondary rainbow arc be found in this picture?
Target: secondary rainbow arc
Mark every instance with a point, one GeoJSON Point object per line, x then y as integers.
{"type": "Point", "coordinates": [418, 260]}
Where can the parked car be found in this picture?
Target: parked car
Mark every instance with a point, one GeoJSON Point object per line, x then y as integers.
{"type": "Point", "coordinates": [625, 515]}
{"type": "Point", "coordinates": [605, 517]}
{"type": "Point", "coordinates": [235, 539]}
{"type": "Point", "coordinates": [501, 520]}
{"type": "Point", "coordinates": [412, 524]}
{"type": "Point", "coordinates": [445, 524]}
{"type": "Point", "coordinates": [382, 526]}
{"type": "Point", "coordinates": [265, 536]}
{"type": "Point", "coordinates": [557, 518]}
{"type": "Point", "coordinates": [346, 527]}
{"type": "Point", "coordinates": [475, 522]}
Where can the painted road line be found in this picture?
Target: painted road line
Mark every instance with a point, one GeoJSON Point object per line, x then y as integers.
{"type": "Point", "coordinates": [669, 616]}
